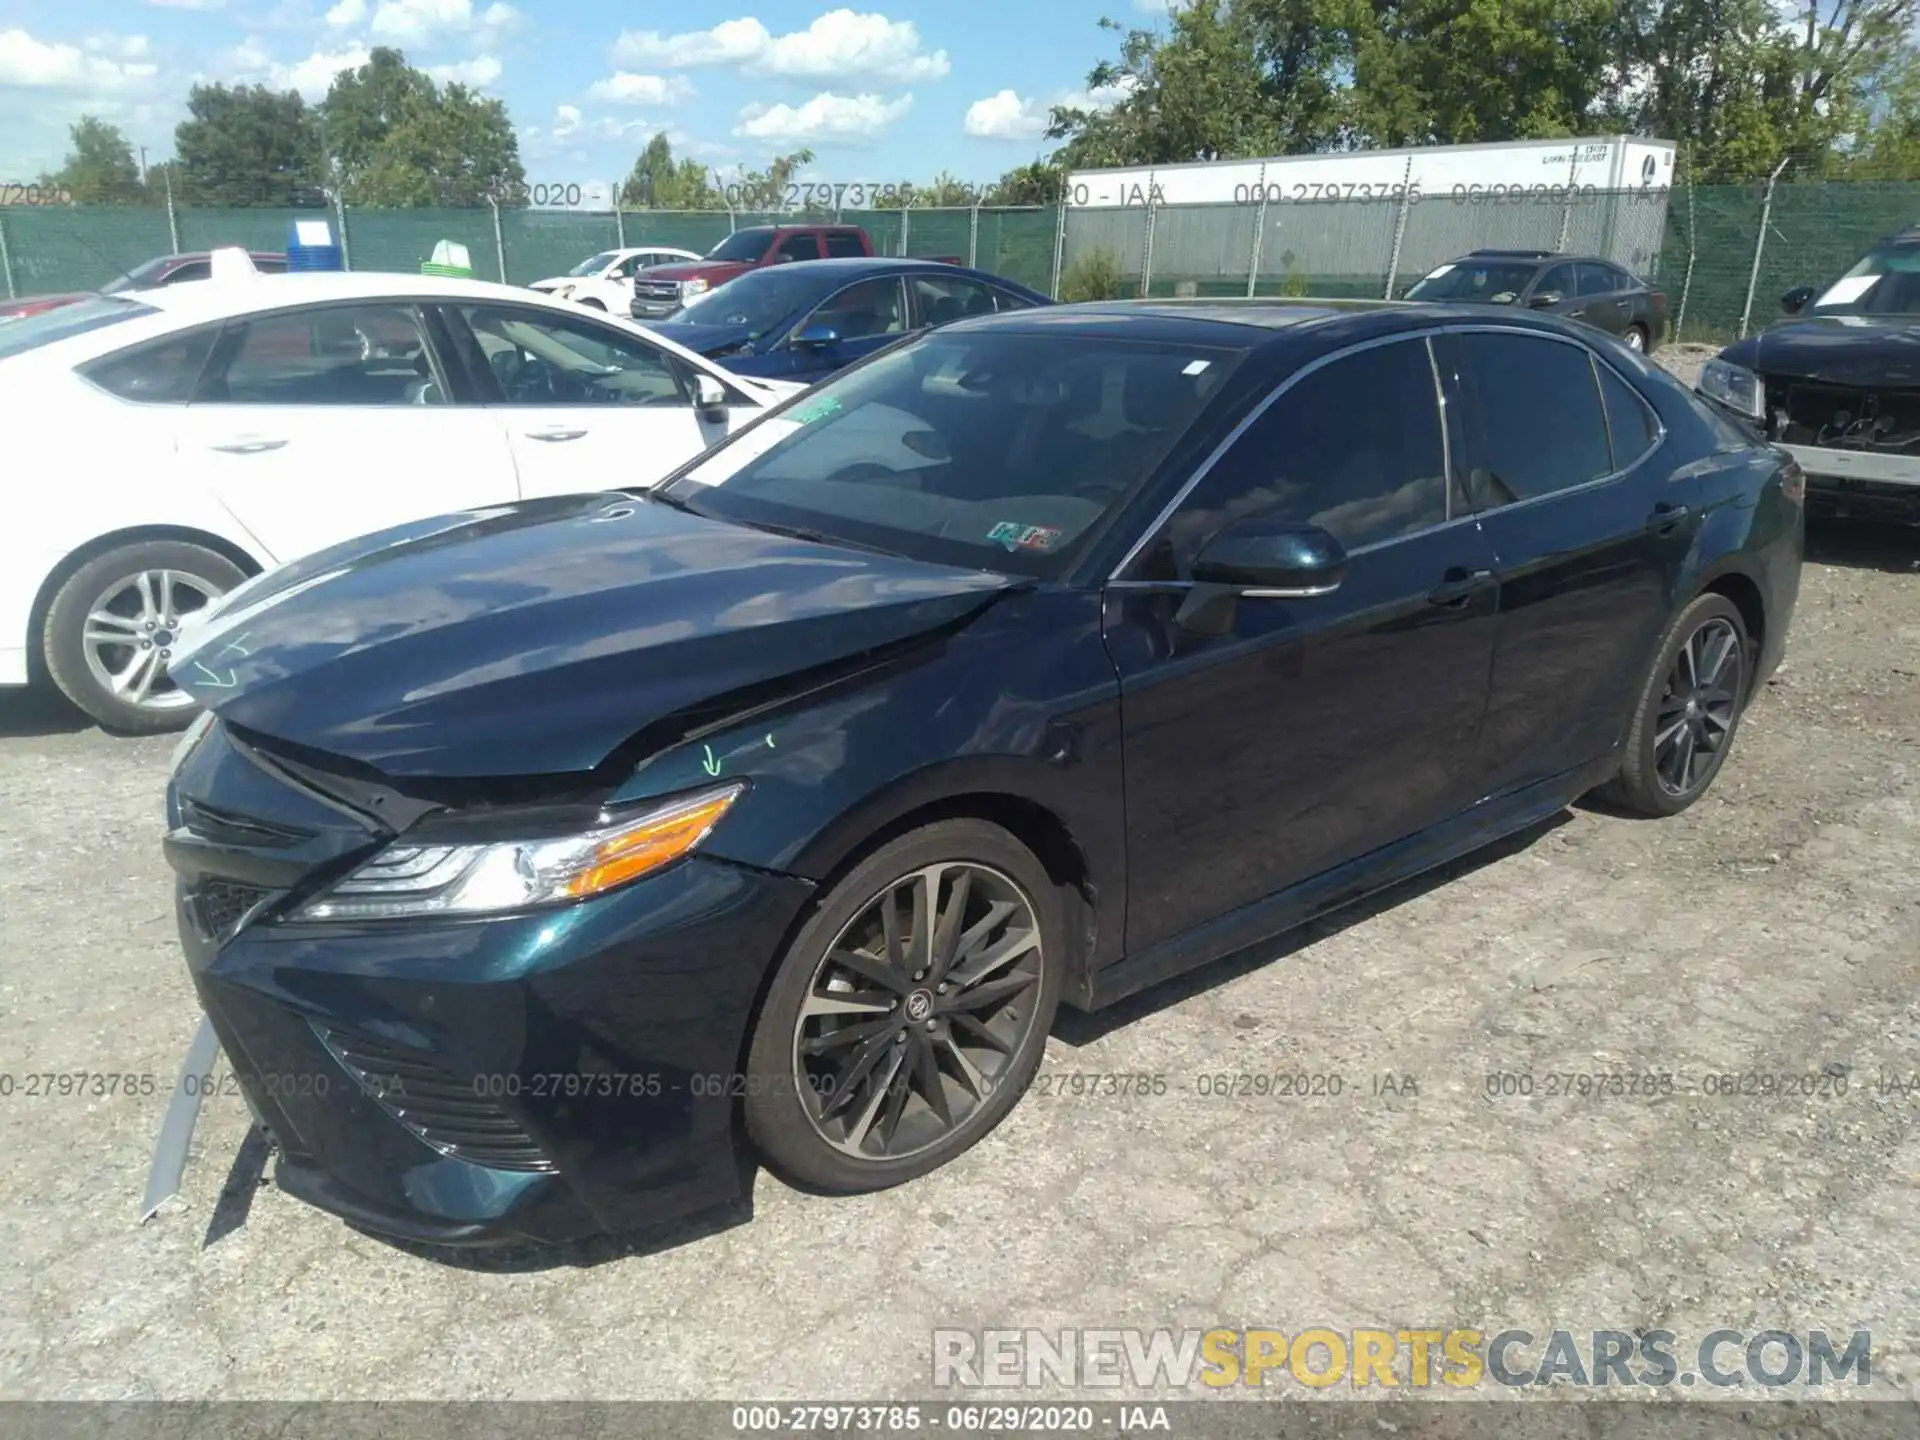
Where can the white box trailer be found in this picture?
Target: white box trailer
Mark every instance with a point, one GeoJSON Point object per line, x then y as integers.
{"type": "Point", "coordinates": [1436, 171]}
{"type": "Point", "coordinates": [1373, 220]}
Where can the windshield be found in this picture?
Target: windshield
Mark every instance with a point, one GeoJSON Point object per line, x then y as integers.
{"type": "Point", "coordinates": [742, 245]}
{"type": "Point", "coordinates": [1497, 283]}
{"type": "Point", "coordinates": [991, 450]}
{"type": "Point", "coordinates": [139, 278]}
{"type": "Point", "coordinates": [759, 300]}
{"type": "Point", "coordinates": [594, 265]}
{"type": "Point", "coordinates": [1886, 282]}
{"type": "Point", "coordinates": [30, 332]}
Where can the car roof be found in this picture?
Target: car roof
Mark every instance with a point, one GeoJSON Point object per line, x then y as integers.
{"type": "Point", "coordinates": [210, 299]}
{"type": "Point", "coordinates": [1544, 257]}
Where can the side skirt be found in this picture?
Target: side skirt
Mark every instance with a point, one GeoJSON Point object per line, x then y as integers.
{"type": "Point", "coordinates": [1334, 889]}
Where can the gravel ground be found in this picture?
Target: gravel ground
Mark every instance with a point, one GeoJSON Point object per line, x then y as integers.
{"type": "Point", "coordinates": [1774, 927]}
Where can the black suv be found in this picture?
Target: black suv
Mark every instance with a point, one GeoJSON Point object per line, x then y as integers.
{"type": "Point", "coordinates": [1581, 287]}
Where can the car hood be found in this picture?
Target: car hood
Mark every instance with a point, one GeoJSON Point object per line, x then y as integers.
{"type": "Point", "coordinates": [536, 638]}
{"type": "Point", "coordinates": [704, 339]}
{"type": "Point", "coordinates": [692, 270]}
{"type": "Point", "coordinates": [1867, 351]}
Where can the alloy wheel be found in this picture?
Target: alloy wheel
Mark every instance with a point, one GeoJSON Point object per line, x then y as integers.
{"type": "Point", "coordinates": [918, 1008]}
{"type": "Point", "coordinates": [1697, 708]}
{"type": "Point", "coordinates": [1635, 341]}
{"type": "Point", "coordinates": [132, 628]}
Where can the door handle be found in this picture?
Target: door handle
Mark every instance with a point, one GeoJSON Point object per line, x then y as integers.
{"type": "Point", "coordinates": [1458, 586]}
{"type": "Point", "coordinates": [555, 434]}
{"type": "Point", "coordinates": [1666, 517]}
{"type": "Point", "coordinates": [251, 445]}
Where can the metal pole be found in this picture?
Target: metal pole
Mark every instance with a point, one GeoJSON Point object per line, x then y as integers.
{"type": "Point", "coordinates": [1760, 246]}
{"type": "Point", "coordinates": [1400, 227]}
{"type": "Point", "coordinates": [906, 222]}
{"type": "Point", "coordinates": [619, 218]}
{"type": "Point", "coordinates": [340, 213]}
{"type": "Point", "coordinates": [173, 221]}
{"type": "Point", "coordinates": [6, 259]}
{"type": "Point", "coordinates": [1146, 259]}
{"type": "Point", "coordinates": [973, 238]}
{"type": "Point", "coordinates": [1686, 282]}
{"type": "Point", "coordinates": [499, 241]}
{"type": "Point", "coordinates": [1059, 239]}
{"type": "Point", "coordinates": [1259, 233]}
{"type": "Point", "coordinates": [1566, 211]}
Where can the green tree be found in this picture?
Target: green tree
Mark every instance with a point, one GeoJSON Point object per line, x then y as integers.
{"type": "Point", "coordinates": [395, 138]}
{"type": "Point", "coordinates": [658, 182]}
{"type": "Point", "coordinates": [243, 145]}
{"type": "Point", "coordinates": [1038, 183]}
{"type": "Point", "coordinates": [767, 189]}
{"type": "Point", "coordinates": [99, 169]}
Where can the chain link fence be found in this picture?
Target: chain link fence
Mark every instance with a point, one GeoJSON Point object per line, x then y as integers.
{"type": "Point", "coordinates": [46, 249]}
{"type": "Point", "coordinates": [1723, 253]}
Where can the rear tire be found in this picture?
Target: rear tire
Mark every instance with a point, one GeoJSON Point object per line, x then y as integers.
{"type": "Point", "coordinates": [1688, 712]}
{"type": "Point", "coordinates": [110, 625]}
{"type": "Point", "coordinates": [863, 1078]}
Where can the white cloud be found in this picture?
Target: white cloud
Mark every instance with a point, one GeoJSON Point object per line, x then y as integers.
{"type": "Point", "coordinates": [313, 76]}
{"type": "Point", "coordinates": [1005, 116]}
{"type": "Point", "coordinates": [119, 47]}
{"type": "Point", "coordinates": [626, 88]}
{"type": "Point", "coordinates": [477, 73]}
{"type": "Point", "coordinates": [840, 44]}
{"type": "Point", "coordinates": [347, 12]}
{"type": "Point", "coordinates": [188, 4]}
{"type": "Point", "coordinates": [54, 65]}
{"type": "Point", "coordinates": [418, 22]}
{"type": "Point", "coordinates": [566, 120]}
{"type": "Point", "coordinates": [847, 118]}
{"type": "Point", "coordinates": [1100, 97]}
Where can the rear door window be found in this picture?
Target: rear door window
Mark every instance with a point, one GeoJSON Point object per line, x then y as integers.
{"type": "Point", "coordinates": [799, 247]}
{"type": "Point", "coordinates": [1596, 279]}
{"type": "Point", "coordinates": [842, 244]}
{"type": "Point", "coordinates": [1540, 422]}
{"type": "Point", "coordinates": [337, 355]}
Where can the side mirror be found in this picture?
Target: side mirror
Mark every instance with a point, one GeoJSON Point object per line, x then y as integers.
{"type": "Point", "coordinates": [710, 399]}
{"type": "Point", "coordinates": [1541, 299]}
{"type": "Point", "coordinates": [1796, 299]}
{"type": "Point", "coordinates": [817, 335]}
{"type": "Point", "coordinates": [1261, 557]}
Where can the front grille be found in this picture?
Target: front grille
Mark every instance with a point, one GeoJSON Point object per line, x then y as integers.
{"type": "Point", "coordinates": [437, 1107]}
{"type": "Point", "coordinates": [1838, 417]}
{"type": "Point", "coordinates": [658, 291]}
{"type": "Point", "coordinates": [218, 908]}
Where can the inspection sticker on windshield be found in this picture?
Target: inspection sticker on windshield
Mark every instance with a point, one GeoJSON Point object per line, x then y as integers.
{"type": "Point", "coordinates": [819, 410]}
{"type": "Point", "coordinates": [1024, 537]}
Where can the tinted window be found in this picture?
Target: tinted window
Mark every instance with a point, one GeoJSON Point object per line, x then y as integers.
{"type": "Point", "coordinates": [870, 308]}
{"type": "Point", "coordinates": [760, 300]}
{"type": "Point", "coordinates": [1886, 281]}
{"type": "Point", "coordinates": [1496, 282]}
{"type": "Point", "coordinates": [542, 359]}
{"type": "Point", "coordinates": [744, 245]}
{"type": "Point", "coordinates": [1630, 420]}
{"type": "Point", "coordinates": [1596, 279]}
{"type": "Point", "coordinates": [841, 243]}
{"type": "Point", "coordinates": [63, 322]}
{"type": "Point", "coordinates": [1353, 447]}
{"type": "Point", "coordinates": [943, 300]}
{"type": "Point", "coordinates": [799, 247]}
{"type": "Point", "coordinates": [340, 355]}
{"type": "Point", "coordinates": [994, 450]}
{"type": "Point", "coordinates": [1558, 280]}
{"type": "Point", "coordinates": [162, 373]}
{"type": "Point", "coordinates": [1539, 412]}
{"type": "Point", "coordinates": [270, 264]}
{"type": "Point", "coordinates": [191, 270]}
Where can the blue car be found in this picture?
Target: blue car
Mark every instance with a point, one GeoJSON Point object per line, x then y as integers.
{"type": "Point", "coordinates": [806, 320]}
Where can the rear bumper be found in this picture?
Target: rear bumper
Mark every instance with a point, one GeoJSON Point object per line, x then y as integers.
{"type": "Point", "coordinates": [539, 1079]}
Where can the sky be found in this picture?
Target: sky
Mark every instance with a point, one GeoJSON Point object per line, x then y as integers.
{"type": "Point", "coordinates": [880, 95]}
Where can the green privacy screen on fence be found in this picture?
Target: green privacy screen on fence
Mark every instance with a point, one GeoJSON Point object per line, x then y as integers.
{"type": "Point", "coordinates": [1699, 244]}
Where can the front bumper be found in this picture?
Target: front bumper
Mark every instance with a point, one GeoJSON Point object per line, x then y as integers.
{"type": "Point", "coordinates": [539, 1077]}
{"type": "Point", "coordinates": [1860, 483]}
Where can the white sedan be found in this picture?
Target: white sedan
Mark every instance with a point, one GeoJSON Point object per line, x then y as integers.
{"type": "Point", "coordinates": [605, 281]}
{"type": "Point", "coordinates": [170, 443]}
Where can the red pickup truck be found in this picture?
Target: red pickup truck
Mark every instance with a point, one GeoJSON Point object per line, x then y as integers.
{"type": "Point", "coordinates": [663, 289]}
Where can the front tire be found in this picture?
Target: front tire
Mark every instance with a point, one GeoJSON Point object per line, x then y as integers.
{"type": "Point", "coordinates": [910, 1012]}
{"type": "Point", "coordinates": [592, 304]}
{"type": "Point", "coordinates": [111, 626]}
{"type": "Point", "coordinates": [1689, 709]}
{"type": "Point", "coordinates": [1636, 339]}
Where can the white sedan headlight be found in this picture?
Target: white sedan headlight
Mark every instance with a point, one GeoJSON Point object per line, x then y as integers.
{"type": "Point", "coordinates": [408, 880]}
{"type": "Point", "coordinates": [1734, 386]}
{"type": "Point", "coordinates": [691, 288]}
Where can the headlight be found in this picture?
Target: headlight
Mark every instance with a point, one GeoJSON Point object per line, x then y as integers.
{"type": "Point", "coordinates": [411, 879]}
{"type": "Point", "coordinates": [1734, 386]}
{"type": "Point", "coordinates": [691, 288]}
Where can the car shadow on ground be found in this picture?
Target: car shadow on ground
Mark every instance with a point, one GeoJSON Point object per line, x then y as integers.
{"type": "Point", "coordinates": [1864, 545]}
{"type": "Point", "coordinates": [39, 710]}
